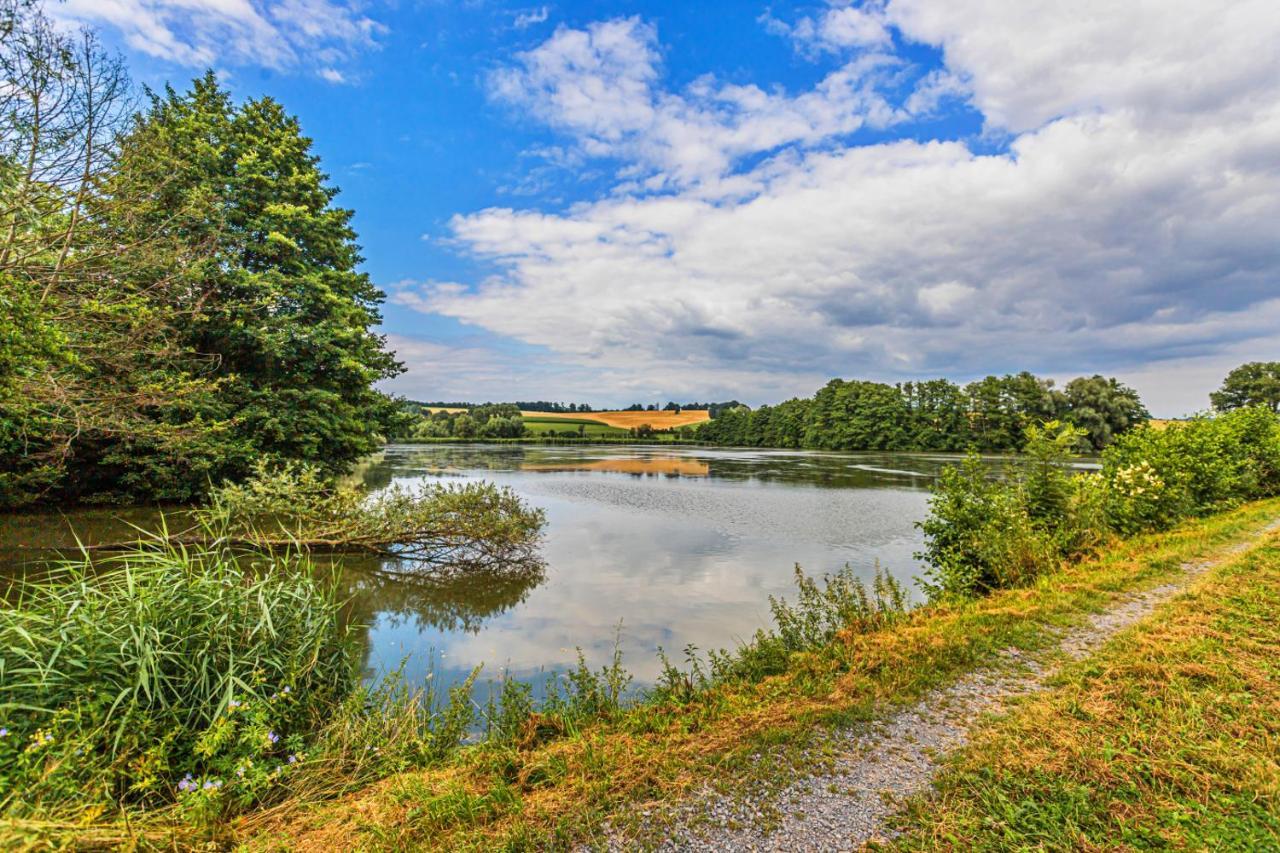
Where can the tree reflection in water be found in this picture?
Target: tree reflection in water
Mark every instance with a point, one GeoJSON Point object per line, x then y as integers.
{"type": "Point", "coordinates": [403, 592]}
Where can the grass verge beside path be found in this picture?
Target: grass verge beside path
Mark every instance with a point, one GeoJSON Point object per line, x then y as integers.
{"type": "Point", "coordinates": [559, 792]}
{"type": "Point", "coordinates": [1167, 738]}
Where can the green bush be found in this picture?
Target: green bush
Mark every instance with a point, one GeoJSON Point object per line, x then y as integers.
{"type": "Point", "coordinates": [986, 532]}
{"type": "Point", "coordinates": [1157, 477]}
{"type": "Point", "coordinates": [458, 524]}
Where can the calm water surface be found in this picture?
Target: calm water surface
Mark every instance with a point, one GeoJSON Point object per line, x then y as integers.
{"type": "Point", "coordinates": [652, 546]}
{"type": "Point", "coordinates": [648, 546]}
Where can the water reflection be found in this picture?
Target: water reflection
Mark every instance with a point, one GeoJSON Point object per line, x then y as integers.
{"type": "Point", "coordinates": [679, 546]}
{"type": "Point", "coordinates": [651, 546]}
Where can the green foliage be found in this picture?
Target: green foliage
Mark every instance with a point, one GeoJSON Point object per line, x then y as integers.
{"type": "Point", "coordinates": [980, 535]}
{"type": "Point", "coordinates": [1159, 476]}
{"type": "Point", "coordinates": [991, 414]}
{"type": "Point", "coordinates": [863, 415]}
{"type": "Point", "coordinates": [459, 524]}
{"type": "Point", "coordinates": [188, 304]}
{"type": "Point", "coordinates": [842, 604]}
{"type": "Point", "coordinates": [1254, 384]}
{"type": "Point", "coordinates": [488, 421]}
{"type": "Point", "coordinates": [1103, 408]}
{"type": "Point", "coordinates": [119, 679]}
{"type": "Point", "coordinates": [985, 533]}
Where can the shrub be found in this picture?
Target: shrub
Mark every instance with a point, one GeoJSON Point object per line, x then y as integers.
{"type": "Point", "coordinates": [979, 534]}
{"type": "Point", "coordinates": [985, 533]}
{"type": "Point", "coordinates": [1157, 477]}
{"type": "Point", "coordinates": [462, 525]}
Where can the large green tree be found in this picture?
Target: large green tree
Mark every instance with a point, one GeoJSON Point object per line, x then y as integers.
{"type": "Point", "coordinates": [269, 295]}
{"type": "Point", "coordinates": [1254, 384]}
{"type": "Point", "coordinates": [1103, 407]}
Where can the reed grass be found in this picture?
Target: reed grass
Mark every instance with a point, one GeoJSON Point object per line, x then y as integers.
{"type": "Point", "coordinates": [114, 671]}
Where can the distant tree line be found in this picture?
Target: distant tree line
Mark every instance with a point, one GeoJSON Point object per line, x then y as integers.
{"type": "Point", "coordinates": [713, 409]}
{"type": "Point", "coordinates": [492, 420]}
{"type": "Point", "coordinates": [522, 405]}
{"type": "Point", "coordinates": [990, 414]}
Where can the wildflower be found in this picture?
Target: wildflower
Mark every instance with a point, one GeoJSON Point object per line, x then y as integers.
{"type": "Point", "coordinates": [293, 759]}
{"type": "Point", "coordinates": [233, 704]}
{"type": "Point", "coordinates": [272, 737]}
{"type": "Point", "coordinates": [187, 783]}
{"type": "Point", "coordinates": [4, 732]}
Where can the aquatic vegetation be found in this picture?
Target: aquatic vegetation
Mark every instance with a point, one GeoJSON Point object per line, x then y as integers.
{"type": "Point", "coordinates": [455, 525]}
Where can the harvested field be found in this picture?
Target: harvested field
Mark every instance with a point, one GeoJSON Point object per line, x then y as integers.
{"type": "Point", "coordinates": [627, 420]}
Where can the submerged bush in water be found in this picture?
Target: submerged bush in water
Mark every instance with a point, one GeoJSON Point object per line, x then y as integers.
{"type": "Point", "coordinates": [457, 524]}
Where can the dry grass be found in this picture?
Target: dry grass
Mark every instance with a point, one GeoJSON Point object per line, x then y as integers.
{"type": "Point", "coordinates": [627, 420]}
{"type": "Point", "coordinates": [558, 793]}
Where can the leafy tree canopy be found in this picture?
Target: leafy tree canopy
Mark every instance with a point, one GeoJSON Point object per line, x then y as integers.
{"type": "Point", "coordinates": [1254, 384]}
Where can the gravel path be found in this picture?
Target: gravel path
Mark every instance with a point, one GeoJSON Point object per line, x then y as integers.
{"type": "Point", "coordinates": [874, 770]}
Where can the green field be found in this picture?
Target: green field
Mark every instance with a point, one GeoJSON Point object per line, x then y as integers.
{"type": "Point", "coordinates": [549, 426]}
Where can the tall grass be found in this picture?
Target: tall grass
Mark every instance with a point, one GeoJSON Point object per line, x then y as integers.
{"type": "Point", "coordinates": [120, 677]}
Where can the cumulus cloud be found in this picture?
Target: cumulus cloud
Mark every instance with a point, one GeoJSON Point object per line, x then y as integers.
{"type": "Point", "coordinates": [602, 85]}
{"type": "Point", "coordinates": [836, 30]}
{"type": "Point", "coordinates": [279, 34]}
{"type": "Point", "coordinates": [1128, 224]}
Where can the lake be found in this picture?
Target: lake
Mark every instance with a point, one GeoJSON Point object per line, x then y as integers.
{"type": "Point", "coordinates": [647, 546]}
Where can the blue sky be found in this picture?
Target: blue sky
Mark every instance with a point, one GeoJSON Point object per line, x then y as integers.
{"type": "Point", "coordinates": [652, 201]}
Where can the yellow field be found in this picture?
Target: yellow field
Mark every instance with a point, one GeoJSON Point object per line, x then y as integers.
{"type": "Point", "coordinates": [627, 420]}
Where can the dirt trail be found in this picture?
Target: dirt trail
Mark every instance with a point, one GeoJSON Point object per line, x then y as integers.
{"type": "Point", "coordinates": [876, 769]}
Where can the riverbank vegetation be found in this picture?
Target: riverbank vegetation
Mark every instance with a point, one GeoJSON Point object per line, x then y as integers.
{"type": "Point", "coordinates": [556, 787]}
{"type": "Point", "coordinates": [179, 296]}
{"type": "Point", "coordinates": [547, 772]}
{"type": "Point", "coordinates": [989, 415]}
{"type": "Point", "coordinates": [984, 533]}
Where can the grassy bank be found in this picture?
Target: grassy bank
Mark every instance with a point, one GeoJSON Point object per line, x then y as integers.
{"type": "Point", "coordinates": [556, 787]}
{"type": "Point", "coordinates": [1168, 738]}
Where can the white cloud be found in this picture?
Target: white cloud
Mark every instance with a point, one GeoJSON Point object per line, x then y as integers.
{"type": "Point", "coordinates": [836, 30]}
{"type": "Point", "coordinates": [280, 34]}
{"type": "Point", "coordinates": [529, 17]}
{"type": "Point", "coordinates": [1030, 62]}
{"type": "Point", "coordinates": [601, 84]}
{"type": "Point", "coordinates": [1129, 225]}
